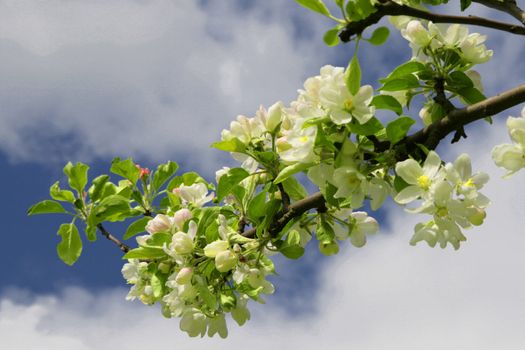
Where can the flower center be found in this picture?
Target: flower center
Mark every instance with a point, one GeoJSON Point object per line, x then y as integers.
{"type": "Point", "coordinates": [424, 182]}
{"type": "Point", "coordinates": [303, 139]}
{"type": "Point", "coordinates": [348, 105]}
{"type": "Point", "coordinates": [441, 212]}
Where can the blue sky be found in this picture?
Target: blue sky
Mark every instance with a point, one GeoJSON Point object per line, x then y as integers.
{"type": "Point", "coordinates": [157, 80]}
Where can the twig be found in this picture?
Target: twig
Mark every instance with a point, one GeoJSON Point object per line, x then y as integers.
{"type": "Point", "coordinates": [390, 8]}
{"type": "Point", "coordinates": [112, 238]}
{"type": "Point", "coordinates": [507, 6]}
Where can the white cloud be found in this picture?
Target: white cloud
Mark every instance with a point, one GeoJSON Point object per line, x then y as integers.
{"type": "Point", "coordinates": [156, 79]}
{"type": "Point", "coordinates": [386, 295]}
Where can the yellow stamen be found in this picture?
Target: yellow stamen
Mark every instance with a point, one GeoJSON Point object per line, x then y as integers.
{"type": "Point", "coordinates": [348, 105]}
{"type": "Point", "coordinates": [424, 182]}
{"type": "Point", "coordinates": [441, 212]}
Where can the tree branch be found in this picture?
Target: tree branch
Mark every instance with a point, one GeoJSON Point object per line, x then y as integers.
{"type": "Point", "coordinates": [390, 8]}
{"type": "Point", "coordinates": [112, 238]}
{"type": "Point", "coordinates": [429, 136]}
{"type": "Point", "coordinates": [507, 6]}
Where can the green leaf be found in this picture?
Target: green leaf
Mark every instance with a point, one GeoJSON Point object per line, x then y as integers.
{"type": "Point", "coordinates": [144, 253]}
{"type": "Point", "coordinates": [256, 207]}
{"type": "Point", "coordinates": [379, 36]}
{"type": "Point", "coordinates": [70, 247]}
{"type": "Point", "coordinates": [207, 296]}
{"type": "Point", "coordinates": [291, 251]}
{"type": "Point", "coordinates": [331, 37]}
{"type": "Point", "coordinates": [295, 190]}
{"type": "Point", "coordinates": [397, 129]}
{"type": "Point", "coordinates": [291, 170]}
{"type": "Point", "coordinates": [403, 83]}
{"type": "Point", "coordinates": [91, 229]}
{"type": "Point", "coordinates": [158, 280]}
{"type": "Point", "coordinates": [125, 168]}
{"type": "Point", "coordinates": [369, 128]}
{"type": "Point", "coordinates": [233, 145]}
{"type": "Point", "coordinates": [77, 175]}
{"type": "Point", "coordinates": [359, 9]}
{"type": "Point", "coordinates": [353, 76]}
{"type": "Point", "coordinates": [465, 4]}
{"type": "Point", "coordinates": [405, 69]}
{"type": "Point", "coordinates": [136, 227]}
{"type": "Point", "coordinates": [316, 6]}
{"type": "Point", "coordinates": [458, 80]}
{"type": "Point", "coordinates": [163, 173]}
{"type": "Point", "coordinates": [471, 95]}
{"type": "Point", "coordinates": [61, 195]}
{"type": "Point", "coordinates": [46, 207]}
{"type": "Point", "coordinates": [229, 180]}
{"type": "Point", "coordinates": [387, 102]}
{"type": "Point", "coordinates": [112, 208]}
{"type": "Point", "coordinates": [99, 189]}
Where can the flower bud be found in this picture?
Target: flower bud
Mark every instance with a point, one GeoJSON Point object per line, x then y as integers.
{"type": "Point", "coordinates": [329, 248]}
{"type": "Point", "coordinates": [213, 248]}
{"type": "Point", "coordinates": [164, 267]}
{"type": "Point", "coordinates": [184, 276]}
{"type": "Point", "coordinates": [182, 243]}
{"type": "Point", "coordinates": [416, 33]}
{"type": "Point", "coordinates": [181, 216]}
{"type": "Point", "coordinates": [160, 223]}
{"type": "Point", "coordinates": [477, 217]}
{"type": "Point", "coordinates": [225, 261]}
{"type": "Point", "coordinates": [274, 116]}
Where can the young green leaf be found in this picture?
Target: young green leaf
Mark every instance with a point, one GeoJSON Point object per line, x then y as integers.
{"type": "Point", "coordinates": [331, 37]}
{"type": "Point", "coordinates": [397, 129]}
{"type": "Point", "coordinates": [256, 206]}
{"type": "Point", "coordinates": [112, 208]}
{"type": "Point", "coordinates": [294, 189]}
{"type": "Point", "coordinates": [61, 195]}
{"type": "Point", "coordinates": [125, 168]}
{"type": "Point", "coordinates": [98, 188]}
{"type": "Point", "coordinates": [77, 175]}
{"type": "Point", "coordinates": [404, 69]}
{"type": "Point", "coordinates": [353, 76]}
{"type": "Point", "coordinates": [46, 207]}
{"type": "Point", "coordinates": [136, 227]}
{"type": "Point", "coordinates": [387, 102]}
{"type": "Point", "coordinates": [144, 253]}
{"type": "Point", "coordinates": [405, 82]}
{"type": "Point", "coordinates": [379, 36]}
{"type": "Point", "coordinates": [291, 170]}
{"type": "Point", "coordinates": [163, 173]}
{"type": "Point", "coordinates": [233, 145]}
{"type": "Point", "coordinates": [229, 180]}
{"type": "Point", "coordinates": [70, 247]}
{"type": "Point", "coordinates": [369, 128]}
{"type": "Point", "coordinates": [316, 6]}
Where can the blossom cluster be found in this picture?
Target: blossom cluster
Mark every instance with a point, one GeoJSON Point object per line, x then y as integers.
{"type": "Point", "coordinates": [449, 193]}
{"type": "Point", "coordinates": [205, 266]}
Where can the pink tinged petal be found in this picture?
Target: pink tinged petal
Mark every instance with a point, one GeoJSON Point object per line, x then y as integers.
{"type": "Point", "coordinates": [408, 194]}
{"type": "Point", "coordinates": [409, 170]}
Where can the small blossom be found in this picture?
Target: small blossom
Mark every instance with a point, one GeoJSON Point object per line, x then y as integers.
{"type": "Point", "coordinates": [197, 194]}
{"type": "Point", "coordinates": [160, 223]}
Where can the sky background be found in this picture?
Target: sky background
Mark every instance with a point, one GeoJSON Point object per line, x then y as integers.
{"type": "Point", "coordinates": [157, 80]}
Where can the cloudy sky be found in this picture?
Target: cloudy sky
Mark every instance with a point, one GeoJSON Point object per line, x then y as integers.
{"type": "Point", "coordinates": [157, 80]}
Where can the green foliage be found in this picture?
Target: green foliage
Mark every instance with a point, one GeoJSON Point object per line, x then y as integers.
{"type": "Point", "coordinates": [77, 175]}
{"type": "Point", "coordinates": [125, 168]}
{"type": "Point", "coordinates": [46, 207]}
{"type": "Point", "coordinates": [70, 248]}
{"type": "Point", "coordinates": [397, 129]}
{"type": "Point", "coordinates": [353, 76]}
{"type": "Point", "coordinates": [379, 36]}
